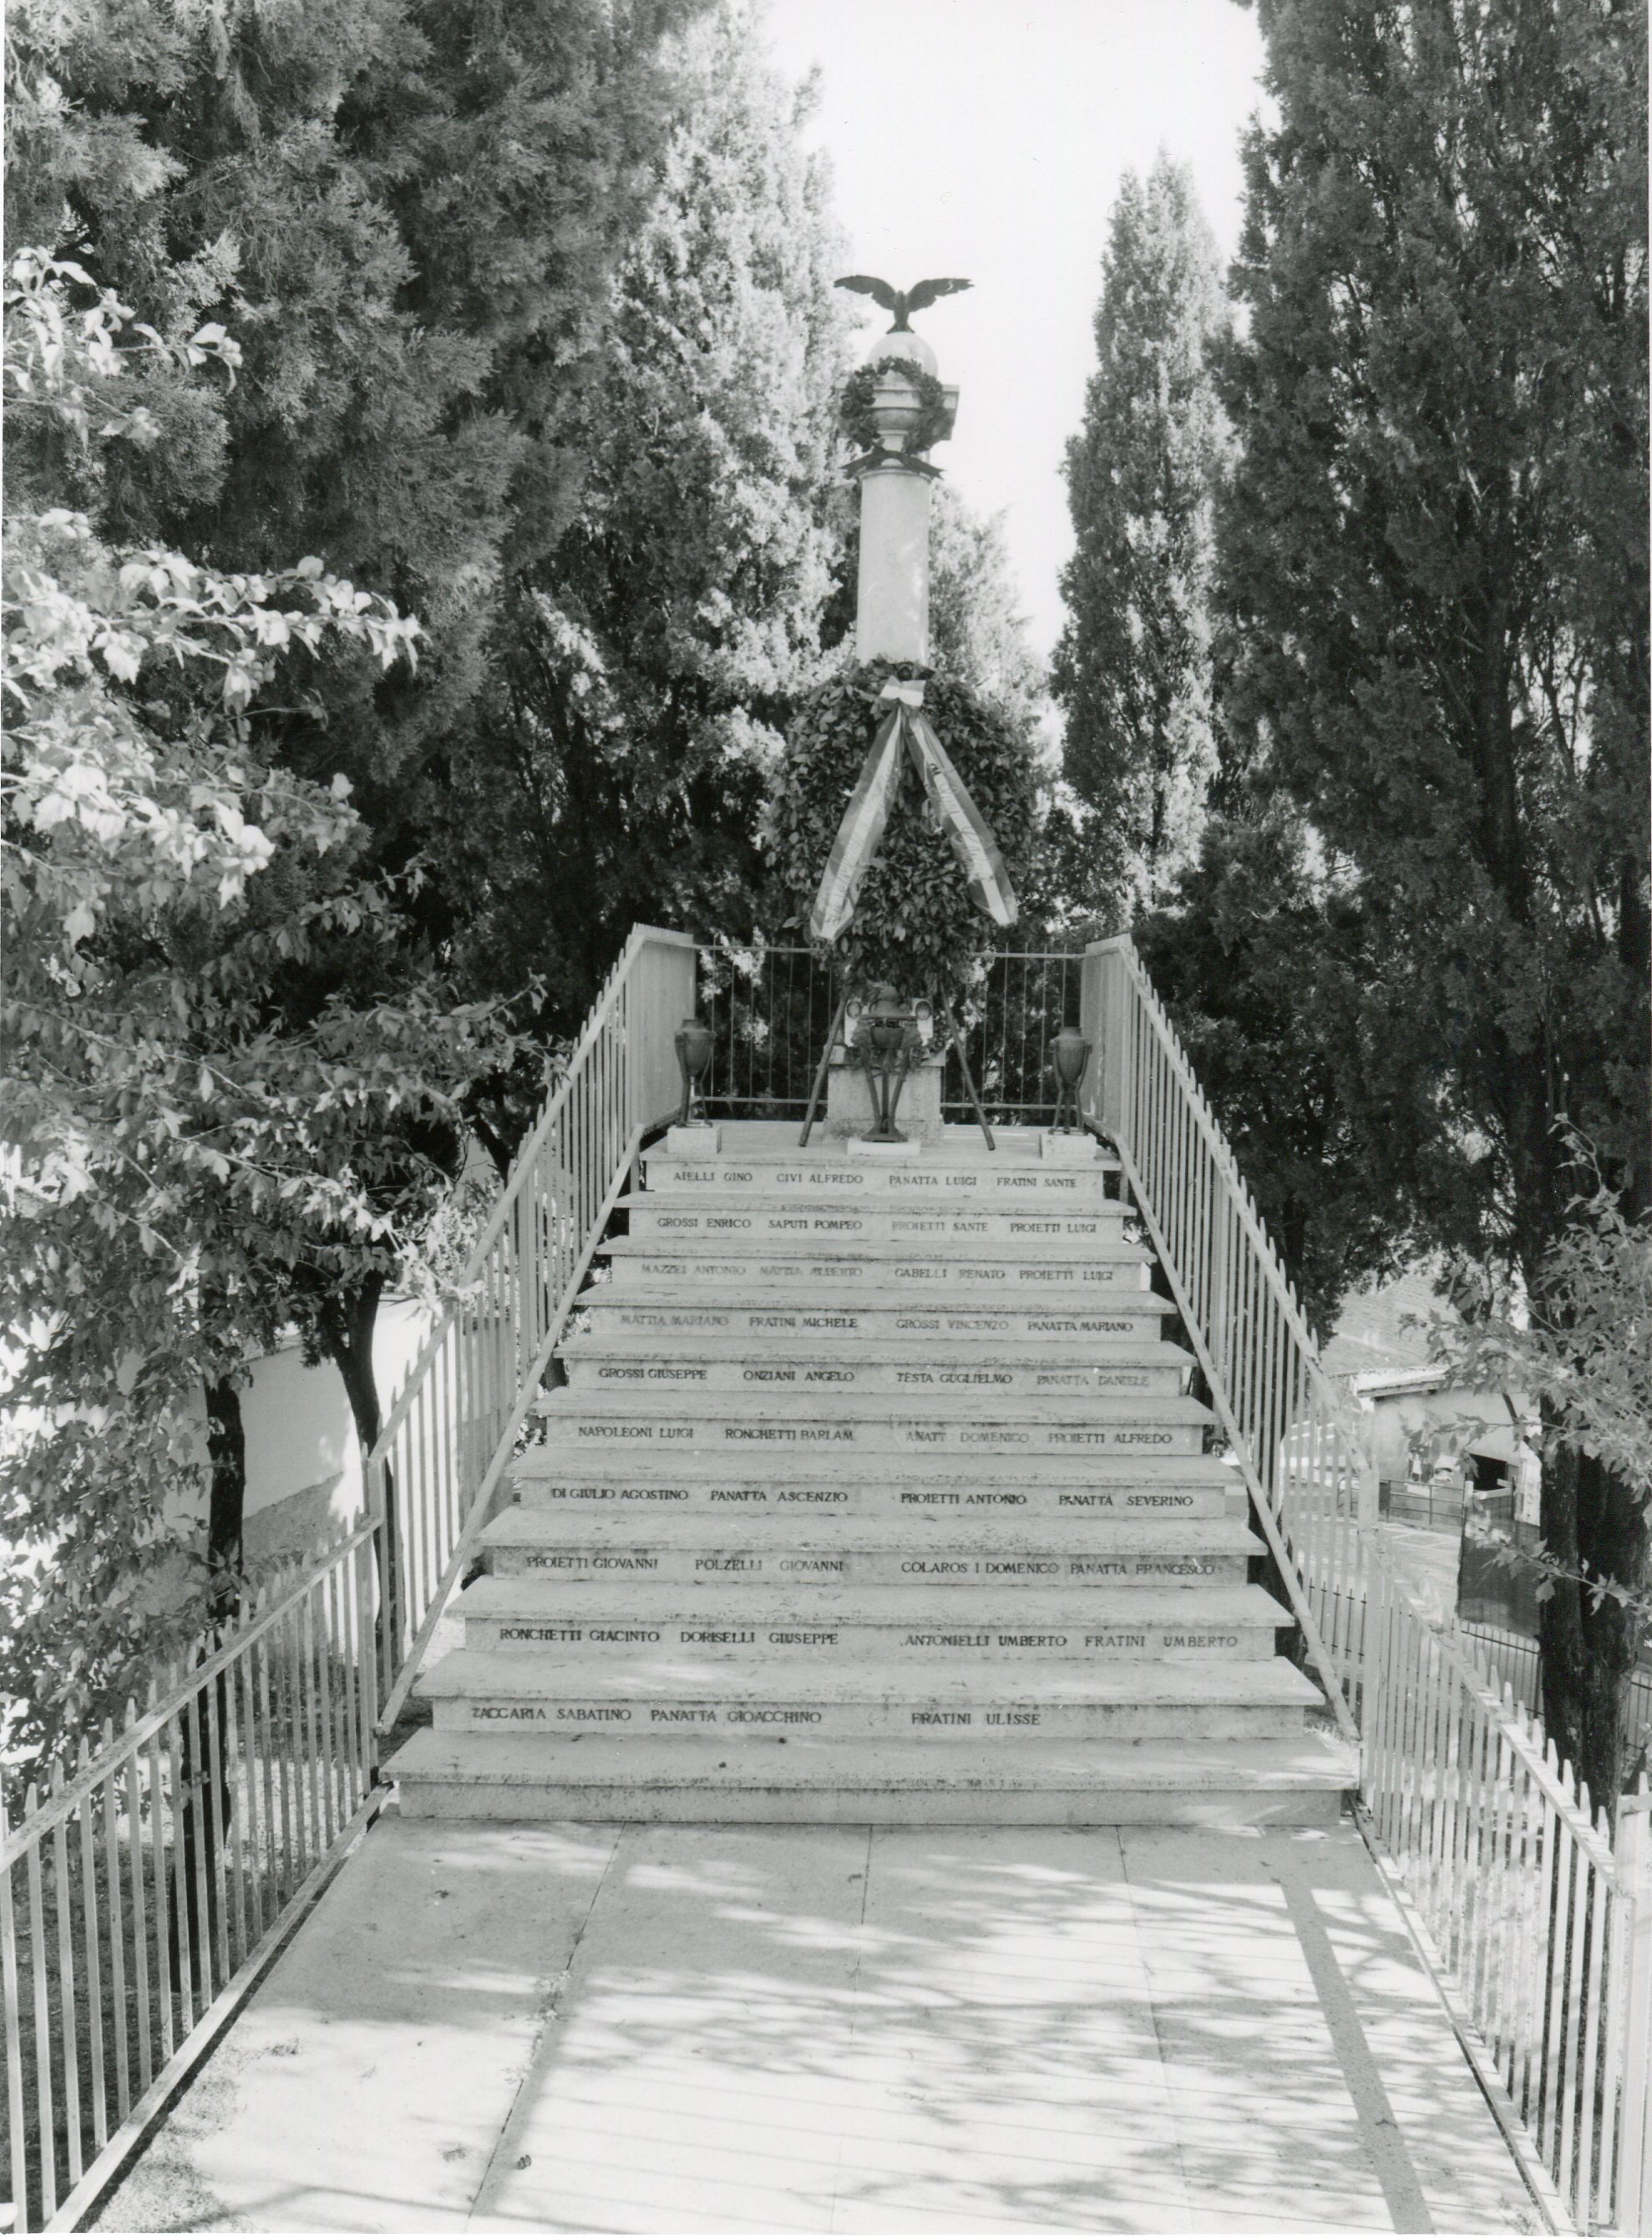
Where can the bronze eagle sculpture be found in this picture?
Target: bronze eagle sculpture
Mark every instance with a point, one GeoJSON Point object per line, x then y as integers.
{"type": "Point", "coordinates": [902, 302]}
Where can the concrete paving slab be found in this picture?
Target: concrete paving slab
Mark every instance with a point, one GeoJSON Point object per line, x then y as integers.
{"type": "Point", "coordinates": [833, 2028]}
{"type": "Point", "coordinates": [366, 2086]}
{"type": "Point", "coordinates": [705, 1967]}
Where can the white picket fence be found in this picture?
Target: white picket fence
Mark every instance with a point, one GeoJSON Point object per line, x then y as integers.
{"type": "Point", "coordinates": [1542, 1924]}
{"type": "Point", "coordinates": [141, 1896]}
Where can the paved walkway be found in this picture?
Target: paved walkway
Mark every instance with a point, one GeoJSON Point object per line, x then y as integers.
{"type": "Point", "coordinates": [566, 2027]}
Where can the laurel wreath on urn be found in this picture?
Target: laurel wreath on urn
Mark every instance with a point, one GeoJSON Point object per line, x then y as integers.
{"type": "Point", "coordinates": [861, 390]}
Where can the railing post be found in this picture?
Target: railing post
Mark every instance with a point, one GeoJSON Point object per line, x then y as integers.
{"type": "Point", "coordinates": [1101, 1003]}
{"type": "Point", "coordinates": [1218, 1319]}
{"type": "Point", "coordinates": [662, 996]}
{"type": "Point", "coordinates": [1634, 1861]}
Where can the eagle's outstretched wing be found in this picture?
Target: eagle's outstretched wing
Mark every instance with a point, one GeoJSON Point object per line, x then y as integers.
{"type": "Point", "coordinates": [927, 291]}
{"type": "Point", "coordinates": [862, 283]}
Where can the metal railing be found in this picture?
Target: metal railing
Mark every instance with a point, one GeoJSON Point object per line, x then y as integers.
{"type": "Point", "coordinates": [148, 1888]}
{"type": "Point", "coordinates": [150, 1885]}
{"type": "Point", "coordinates": [1511, 1658]}
{"type": "Point", "coordinates": [452, 1428]}
{"type": "Point", "coordinates": [1302, 1459]}
{"type": "Point", "coordinates": [1542, 1926]}
{"type": "Point", "coordinates": [771, 1010]}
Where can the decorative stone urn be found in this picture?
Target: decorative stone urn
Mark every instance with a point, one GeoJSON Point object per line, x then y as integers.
{"type": "Point", "coordinates": [897, 407]}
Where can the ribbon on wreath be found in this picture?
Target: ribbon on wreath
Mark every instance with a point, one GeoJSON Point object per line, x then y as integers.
{"type": "Point", "coordinates": [905, 731]}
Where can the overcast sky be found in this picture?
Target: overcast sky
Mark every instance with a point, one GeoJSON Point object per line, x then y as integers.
{"type": "Point", "coordinates": [985, 139]}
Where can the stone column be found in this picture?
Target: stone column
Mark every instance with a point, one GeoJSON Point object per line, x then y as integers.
{"type": "Point", "coordinates": [892, 623]}
{"type": "Point", "coordinates": [892, 603]}
{"type": "Point", "coordinates": [892, 597]}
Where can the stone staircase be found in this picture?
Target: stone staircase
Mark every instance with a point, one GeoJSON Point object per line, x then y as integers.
{"type": "Point", "coordinates": [874, 1494]}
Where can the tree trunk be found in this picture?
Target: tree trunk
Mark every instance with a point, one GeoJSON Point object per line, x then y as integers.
{"type": "Point", "coordinates": [347, 1328]}
{"type": "Point", "coordinates": [205, 1801]}
{"type": "Point", "coordinates": [1587, 1655]}
{"type": "Point", "coordinates": [348, 1332]}
{"type": "Point", "coordinates": [493, 1142]}
{"type": "Point", "coordinates": [227, 1451]}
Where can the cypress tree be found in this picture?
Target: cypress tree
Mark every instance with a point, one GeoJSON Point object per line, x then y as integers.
{"type": "Point", "coordinates": [650, 655]}
{"type": "Point", "coordinates": [1132, 665]}
{"type": "Point", "coordinates": [1435, 548]}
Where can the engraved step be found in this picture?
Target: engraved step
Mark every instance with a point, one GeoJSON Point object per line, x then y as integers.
{"type": "Point", "coordinates": [971, 1780]}
{"type": "Point", "coordinates": [1069, 1487]}
{"type": "Point", "coordinates": [830, 1625]}
{"type": "Point", "coordinates": [1132, 1316]}
{"type": "Point", "coordinates": [1039, 1505]}
{"type": "Point", "coordinates": [944, 1221]}
{"type": "Point", "coordinates": [874, 1497]}
{"type": "Point", "coordinates": [1111, 1249]}
{"type": "Point", "coordinates": [766, 1275]}
{"type": "Point", "coordinates": [870, 1405]}
{"type": "Point", "coordinates": [852, 1423]}
{"type": "Point", "coordinates": [671, 1548]}
{"type": "Point", "coordinates": [713, 1363]}
{"type": "Point", "coordinates": [478, 1692]}
{"type": "Point", "coordinates": [985, 1177]}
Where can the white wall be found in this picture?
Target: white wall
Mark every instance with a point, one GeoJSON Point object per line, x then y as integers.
{"type": "Point", "coordinates": [303, 1457]}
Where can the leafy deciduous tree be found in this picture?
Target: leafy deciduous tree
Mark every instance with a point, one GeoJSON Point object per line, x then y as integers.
{"type": "Point", "coordinates": [201, 1150]}
{"type": "Point", "coordinates": [411, 214]}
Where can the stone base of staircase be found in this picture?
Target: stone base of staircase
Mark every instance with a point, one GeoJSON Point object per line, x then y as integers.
{"type": "Point", "coordinates": [798, 1781]}
{"type": "Point", "coordinates": [874, 1495]}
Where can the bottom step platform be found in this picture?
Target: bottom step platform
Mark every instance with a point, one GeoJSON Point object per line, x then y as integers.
{"type": "Point", "coordinates": [802, 1781]}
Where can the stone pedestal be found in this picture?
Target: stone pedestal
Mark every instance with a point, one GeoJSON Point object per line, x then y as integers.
{"type": "Point", "coordinates": [699, 1142]}
{"type": "Point", "coordinates": [1059, 1150]}
{"type": "Point", "coordinates": [917, 1115]}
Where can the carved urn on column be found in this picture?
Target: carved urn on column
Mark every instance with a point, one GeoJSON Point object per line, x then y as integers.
{"type": "Point", "coordinates": [892, 623]}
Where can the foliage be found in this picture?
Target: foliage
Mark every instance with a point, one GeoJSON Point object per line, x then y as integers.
{"type": "Point", "coordinates": [414, 217]}
{"type": "Point", "coordinates": [914, 924]}
{"type": "Point", "coordinates": [1133, 668]}
{"type": "Point", "coordinates": [1260, 955]}
{"type": "Point", "coordinates": [411, 214]}
{"type": "Point", "coordinates": [860, 393]}
{"type": "Point", "coordinates": [1434, 551]}
{"type": "Point", "coordinates": [978, 635]}
{"type": "Point", "coordinates": [1584, 1358]}
{"type": "Point", "coordinates": [650, 657]}
{"type": "Point", "coordinates": [200, 1145]}
{"type": "Point", "coordinates": [1585, 1353]}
